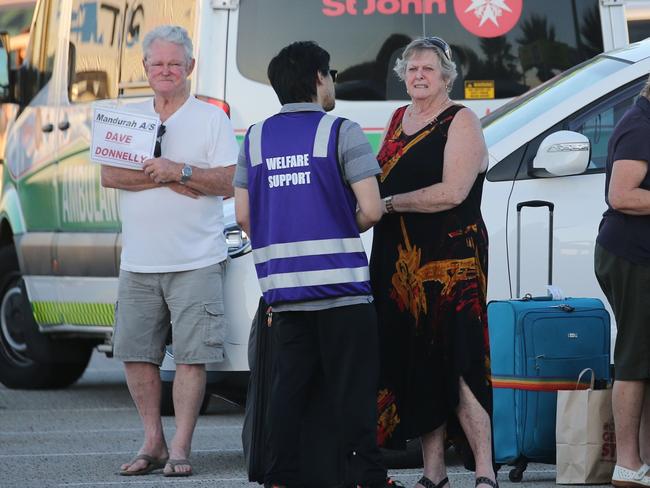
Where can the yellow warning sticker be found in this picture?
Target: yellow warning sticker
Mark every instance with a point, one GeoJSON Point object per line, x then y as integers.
{"type": "Point", "coordinates": [479, 89]}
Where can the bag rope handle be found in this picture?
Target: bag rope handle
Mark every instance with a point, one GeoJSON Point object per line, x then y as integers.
{"type": "Point", "coordinates": [593, 378]}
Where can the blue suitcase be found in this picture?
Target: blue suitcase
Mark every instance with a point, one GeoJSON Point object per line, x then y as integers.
{"type": "Point", "coordinates": [539, 346]}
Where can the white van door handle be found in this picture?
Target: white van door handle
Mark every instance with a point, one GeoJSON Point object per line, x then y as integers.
{"type": "Point", "coordinates": [65, 125]}
{"type": "Point", "coordinates": [47, 128]}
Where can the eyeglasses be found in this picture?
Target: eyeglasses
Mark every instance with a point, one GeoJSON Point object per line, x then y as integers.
{"type": "Point", "coordinates": [157, 149]}
{"type": "Point", "coordinates": [174, 66]}
{"type": "Point", "coordinates": [333, 74]}
{"type": "Point", "coordinates": [441, 44]}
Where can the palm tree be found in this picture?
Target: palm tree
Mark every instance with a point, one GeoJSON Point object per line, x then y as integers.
{"type": "Point", "coordinates": [536, 28]}
{"type": "Point", "coordinates": [591, 33]}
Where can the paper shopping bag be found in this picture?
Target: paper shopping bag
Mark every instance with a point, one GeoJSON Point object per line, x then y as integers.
{"type": "Point", "coordinates": [585, 439]}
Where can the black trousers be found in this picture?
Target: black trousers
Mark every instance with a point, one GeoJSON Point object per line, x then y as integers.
{"type": "Point", "coordinates": [337, 351]}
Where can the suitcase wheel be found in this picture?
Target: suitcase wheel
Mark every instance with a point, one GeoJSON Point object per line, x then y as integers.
{"type": "Point", "coordinates": [516, 474]}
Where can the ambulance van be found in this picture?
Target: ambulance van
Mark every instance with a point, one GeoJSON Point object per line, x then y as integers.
{"type": "Point", "coordinates": [60, 230]}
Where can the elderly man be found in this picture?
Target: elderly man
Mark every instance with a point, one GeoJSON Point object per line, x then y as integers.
{"type": "Point", "coordinates": [173, 251]}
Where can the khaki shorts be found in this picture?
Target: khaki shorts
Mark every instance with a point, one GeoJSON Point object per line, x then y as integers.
{"type": "Point", "coordinates": [190, 302]}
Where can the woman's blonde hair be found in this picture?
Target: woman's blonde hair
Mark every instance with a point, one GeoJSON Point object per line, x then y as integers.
{"type": "Point", "coordinates": [447, 66]}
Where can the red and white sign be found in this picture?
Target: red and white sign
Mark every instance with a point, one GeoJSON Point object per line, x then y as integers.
{"type": "Point", "coordinates": [121, 137]}
{"type": "Point", "coordinates": [488, 18]}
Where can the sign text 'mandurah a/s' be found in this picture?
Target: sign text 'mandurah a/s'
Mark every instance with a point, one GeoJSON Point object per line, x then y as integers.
{"type": "Point", "coordinates": [124, 122]}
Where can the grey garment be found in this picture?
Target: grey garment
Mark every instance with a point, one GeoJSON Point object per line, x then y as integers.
{"type": "Point", "coordinates": [191, 302]}
{"type": "Point", "coordinates": [355, 154]}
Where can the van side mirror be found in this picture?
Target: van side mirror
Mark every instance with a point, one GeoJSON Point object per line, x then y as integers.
{"type": "Point", "coordinates": [5, 74]}
{"type": "Point", "coordinates": [562, 153]}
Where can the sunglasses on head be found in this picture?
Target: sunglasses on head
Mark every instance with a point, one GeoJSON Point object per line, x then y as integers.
{"type": "Point", "coordinates": [157, 149]}
{"type": "Point", "coordinates": [439, 43]}
{"type": "Point", "coordinates": [333, 74]}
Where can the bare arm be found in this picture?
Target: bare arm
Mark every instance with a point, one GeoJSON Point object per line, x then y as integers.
{"type": "Point", "coordinates": [135, 180]}
{"type": "Point", "coordinates": [126, 179]}
{"type": "Point", "coordinates": [464, 158]}
{"type": "Point", "coordinates": [370, 205]}
{"type": "Point", "coordinates": [208, 181]}
{"type": "Point", "coordinates": [624, 193]}
{"type": "Point", "coordinates": [242, 209]}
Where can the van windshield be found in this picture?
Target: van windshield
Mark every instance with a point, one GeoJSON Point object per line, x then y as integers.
{"type": "Point", "coordinates": [501, 49]}
{"type": "Point", "coordinates": [520, 111]}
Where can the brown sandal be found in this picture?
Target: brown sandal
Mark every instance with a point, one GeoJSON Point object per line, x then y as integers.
{"type": "Point", "coordinates": [177, 462]}
{"type": "Point", "coordinates": [152, 465]}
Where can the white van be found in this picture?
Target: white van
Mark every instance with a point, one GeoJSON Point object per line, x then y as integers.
{"type": "Point", "coordinates": [60, 230]}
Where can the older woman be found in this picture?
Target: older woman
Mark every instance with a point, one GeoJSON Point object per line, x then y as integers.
{"type": "Point", "coordinates": [622, 261]}
{"type": "Point", "coordinates": [429, 270]}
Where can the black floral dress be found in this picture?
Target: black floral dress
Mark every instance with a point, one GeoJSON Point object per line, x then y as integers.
{"type": "Point", "coordinates": [429, 279]}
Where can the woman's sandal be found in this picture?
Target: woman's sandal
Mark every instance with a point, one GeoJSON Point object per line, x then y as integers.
{"type": "Point", "coordinates": [427, 483]}
{"type": "Point", "coordinates": [482, 480]}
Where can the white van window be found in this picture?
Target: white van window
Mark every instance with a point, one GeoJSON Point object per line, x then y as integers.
{"type": "Point", "coordinates": [496, 60]}
{"type": "Point", "coordinates": [39, 60]}
{"type": "Point", "coordinates": [15, 19]}
{"type": "Point", "coordinates": [93, 51]}
{"type": "Point", "coordinates": [141, 17]}
{"type": "Point", "coordinates": [638, 29]}
{"type": "Point", "coordinates": [599, 122]}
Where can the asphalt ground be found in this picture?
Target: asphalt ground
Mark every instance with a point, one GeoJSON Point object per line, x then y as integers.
{"type": "Point", "coordinates": [78, 437]}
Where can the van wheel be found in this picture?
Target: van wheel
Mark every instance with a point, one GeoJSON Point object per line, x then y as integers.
{"type": "Point", "coordinates": [167, 400]}
{"type": "Point", "coordinates": [20, 339]}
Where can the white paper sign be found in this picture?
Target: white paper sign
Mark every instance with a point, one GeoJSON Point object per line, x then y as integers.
{"type": "Point", "coordinates": [121, 137]}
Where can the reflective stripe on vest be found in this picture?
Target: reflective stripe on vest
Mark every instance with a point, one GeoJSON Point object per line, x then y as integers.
{"type": "Point", "coordinates": [307, 248]}
{"type": "Point", "coordinates": [255, 144]}
{"type": "Point", "coordinates": [314, 278]}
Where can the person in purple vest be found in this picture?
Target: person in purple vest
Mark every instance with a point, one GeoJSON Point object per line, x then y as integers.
{"type": "Point", "coordinates": [305, 188]}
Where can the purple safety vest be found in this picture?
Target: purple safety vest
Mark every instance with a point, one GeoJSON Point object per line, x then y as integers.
{"type": "Point", "coordinates": [305, 239]}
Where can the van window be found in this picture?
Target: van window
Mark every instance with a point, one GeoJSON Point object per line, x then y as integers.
{"type": "Point", "coordinates": [364, 37]}
{"type": "Point", "coordinates": [16, 17]}
{"type": "Point", "coordinates": [39, 60]}
{"type": "Point", "coordinates": [141, 17]}
{"type": "Point", "coordinates": [599, 122]}
{"type": "Point", "coordinates": [638, 29]}
{"type": "Point", "coordinates": [93, 51]}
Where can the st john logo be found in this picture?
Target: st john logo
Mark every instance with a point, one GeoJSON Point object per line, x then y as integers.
{"type": "Point", "coordinates": [488, 18]}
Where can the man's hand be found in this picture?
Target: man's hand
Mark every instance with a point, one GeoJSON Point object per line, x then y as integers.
{"type": "Point", "coordinates": [185, 190]}
{"type": "Point", "coordinates": [162, 170]}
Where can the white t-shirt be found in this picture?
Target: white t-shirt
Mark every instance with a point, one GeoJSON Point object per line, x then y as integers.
{"type": "Point", "coordinates": [163, 231]}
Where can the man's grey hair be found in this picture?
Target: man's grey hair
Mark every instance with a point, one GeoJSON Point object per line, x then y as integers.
{"type": "Point", "coordinates": [169, 33]}
{"type": "Point", "coordinates": [447, 66]}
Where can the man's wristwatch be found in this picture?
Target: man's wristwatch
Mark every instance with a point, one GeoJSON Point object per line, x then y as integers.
{"type": "Point", "coordinates": [388, 203]}
{"type": "Point", "coordinates": [186, 173]}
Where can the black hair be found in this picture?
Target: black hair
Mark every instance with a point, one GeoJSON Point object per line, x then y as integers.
{"type": "Point", "coordinates": [293, 72]}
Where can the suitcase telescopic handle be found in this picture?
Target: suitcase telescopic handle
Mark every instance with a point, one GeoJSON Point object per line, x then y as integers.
{"type": "Point", "coordinates": [535, 204]}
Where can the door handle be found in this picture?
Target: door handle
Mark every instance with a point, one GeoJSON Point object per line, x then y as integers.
{"type": "Point", "coordinates": [48, 128]}
{"type": "Point", "coordinates": [65, 125]}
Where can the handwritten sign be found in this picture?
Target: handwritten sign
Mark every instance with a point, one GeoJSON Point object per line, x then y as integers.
{"type": "Point", "coordinates": [121, 137]}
